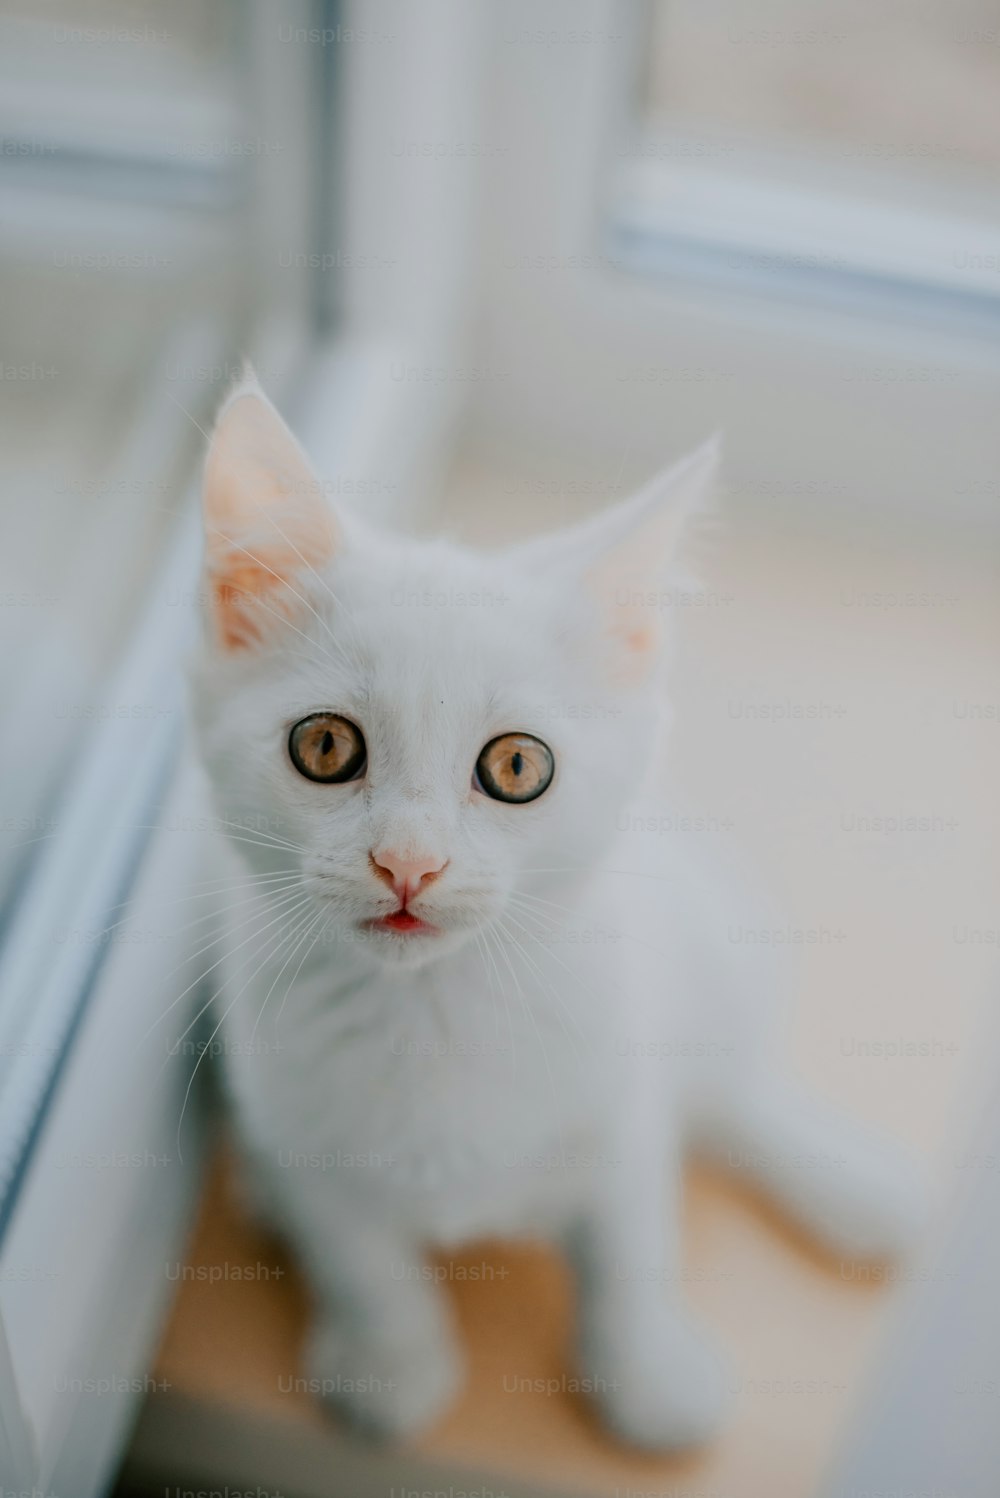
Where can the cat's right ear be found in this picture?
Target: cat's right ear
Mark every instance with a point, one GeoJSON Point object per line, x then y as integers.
{"type": "Point", "coordinates": [266, 519]}
{"type": "Point", "coordinates": [623, 556]}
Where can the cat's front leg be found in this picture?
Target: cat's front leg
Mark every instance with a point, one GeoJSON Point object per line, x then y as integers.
{"type": "Point", "coordinates": [655, 1377]}
{"type": "Point", "coordinates": [381, 1347]}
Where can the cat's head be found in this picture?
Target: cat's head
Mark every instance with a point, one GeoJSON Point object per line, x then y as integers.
{"type": "Point", "coordinates": [415, 730]}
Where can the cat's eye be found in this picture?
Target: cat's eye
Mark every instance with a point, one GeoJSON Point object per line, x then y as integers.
{"type": "Point", "coordinates": [515, 767]}
{"type": "Point", "coordinates": [327, 748]}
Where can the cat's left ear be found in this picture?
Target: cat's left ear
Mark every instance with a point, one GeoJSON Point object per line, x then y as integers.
{"type": "Point", "coordinates": [266, 518]}
{"type": "Point", "coordinates": [623, 557]}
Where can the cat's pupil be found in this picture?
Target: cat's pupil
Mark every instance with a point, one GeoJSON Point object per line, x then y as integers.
{"type": "Point", "coordinates": [517, 763]}
{"type": "Point", "coordinates": [326, 743]}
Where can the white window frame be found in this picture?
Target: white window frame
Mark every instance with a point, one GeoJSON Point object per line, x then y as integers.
{"type": "Point", "coordinates": [771, 363]}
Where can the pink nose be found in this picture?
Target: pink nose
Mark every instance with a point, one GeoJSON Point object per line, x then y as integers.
{"type": "Point", "coordinates": [408, 876]}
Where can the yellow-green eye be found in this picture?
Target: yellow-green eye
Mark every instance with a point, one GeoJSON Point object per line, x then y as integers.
{"type": "Point", "coordinates": [515, 767]}
{"type": "Point", "coordinates": [327, 748]}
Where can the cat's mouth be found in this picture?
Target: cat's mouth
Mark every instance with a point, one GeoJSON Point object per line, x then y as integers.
{"type": "Point", "coordinates": [392, 933]}
{"type": "Point", "coordinates": [402, 923]}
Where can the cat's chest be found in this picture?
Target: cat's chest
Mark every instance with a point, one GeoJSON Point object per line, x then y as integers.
{"type": "Point", "coordinates": [474, 1129]}
{"type": "Point", "coordinates": [462, 1087]}
{"type": "Point", "coordinates": [443, 1087]}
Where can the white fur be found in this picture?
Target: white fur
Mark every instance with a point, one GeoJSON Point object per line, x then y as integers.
{"type": "Point", "coordinates": [539, 1068]}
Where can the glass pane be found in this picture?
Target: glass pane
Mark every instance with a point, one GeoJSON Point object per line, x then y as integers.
{"type": "Point", "coordinates": [124, 207]}
{"type": "Point", "coordinates": [907, 84]}
{"type": "Point", "coordinates": [839, 134]}
{"type": "Point", "coordinates": [84, 70]}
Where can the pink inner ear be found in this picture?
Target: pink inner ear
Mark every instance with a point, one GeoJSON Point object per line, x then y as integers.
{"type": "Point", "coordinates": [252, 583]}
{"type": "Point", "coordinates": [635, 649]}
{"type": "Point", "coordinates": [241, 600]}
{"type": "Point", "coordinates": [641, 639]}
{"type": "Point", "coordinates": [266, 520]}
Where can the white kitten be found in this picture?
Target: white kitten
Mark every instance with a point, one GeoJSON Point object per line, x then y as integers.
{"type": "Point", "coordinates": [493, 1020]}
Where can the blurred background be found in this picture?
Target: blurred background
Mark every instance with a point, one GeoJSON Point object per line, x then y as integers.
{"type": "Point", "coordinates": [497, 262]}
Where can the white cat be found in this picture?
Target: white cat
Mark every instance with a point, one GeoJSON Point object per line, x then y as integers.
{"type": "Point", "coordinates": [494, 1017]}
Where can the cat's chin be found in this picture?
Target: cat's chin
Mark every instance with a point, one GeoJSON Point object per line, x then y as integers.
{"type": "Point", "coordinates": [412, 949]}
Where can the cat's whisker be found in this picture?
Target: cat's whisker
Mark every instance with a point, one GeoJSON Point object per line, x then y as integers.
{"type": "Point", "coordinates": [522, 894]}
{"type": "Point", "coordinates": [305, 924]}
{"type": "Point", "coordinates": [575, 976]}
{"type": "Point", "coordinates": [501, 924]}
{"type": "Point", "coordinates": [276, 901]}
{"type": "Point", "coordinates": [257, 842]}
{"type": "Point", "coordinates": [202, 976]}
{"type": "Point", "coordinates": [282, 935]}
{"type": "Point", "coordinates": [321, 580]}
{"type": "Point", "coordinates": [199, 889]}
{"type": "Point", "coordinates": [286, 884]}
{"type": "Point", "coordinates": [562, 1013]}
{"type": "Point", "coordinates": [323, 656]}
{"type": "Point", "coordinates": [30, 841]}
{"type": "Point", "coordinates": [488, 934]}
{"type": "Point", "coordinates": [209, 916]}
{"type": "Point", "coordinates": [261, 832]}
{"type": "Point", "coordinates": [207, 894]}
{"type": "Point", "coordinates": [247, 831]}
{"type": "Point", "coordinates": [242, 834]}
{"type": "Point", "coordinates": [302, 960]}
{"type": "Point", "coordinates": [580, 868]}
{"type": "Point", "coordinates": [286, 880]}
{"type": "Point", "coordinates": [493, 972]}
{"type": "Point", "coordinates": [245, 835]}
{"type": "Point", "coordinates": [503, 928]}
{"type": "Point", "coordinates": [280, 652]}
{"type": "Point", "coordinates": [280, 921]}
{"type": "Point", "coordinates": [286, 586]}
{"type": "Point", "coordinates": [553, 991]}
{"type": "Point", "coordinates": [477, 937]}
{"type": "Point", "coordinates": [550, 924]}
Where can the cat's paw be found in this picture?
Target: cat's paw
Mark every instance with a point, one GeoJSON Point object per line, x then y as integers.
{"type": "Point", "coordinates": [663, 1389]}
{"type": "Point", "coordinates": [389, 1387]}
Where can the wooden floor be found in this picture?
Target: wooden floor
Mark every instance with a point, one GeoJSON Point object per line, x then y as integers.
{"type": "Point", "coordinates": [787, 1318]}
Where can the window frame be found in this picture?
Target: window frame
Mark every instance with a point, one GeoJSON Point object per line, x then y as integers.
{"type": "Point", "coordinates": [772, 364]}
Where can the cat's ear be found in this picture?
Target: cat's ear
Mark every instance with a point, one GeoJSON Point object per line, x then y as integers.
{"type": "Point", "coordinates": [266, 518]}
{"type": "Point", "coordinates": [623, 557]}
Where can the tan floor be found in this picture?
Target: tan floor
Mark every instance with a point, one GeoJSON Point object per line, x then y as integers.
{"type": "Point", "coordinates": [898, 730]}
